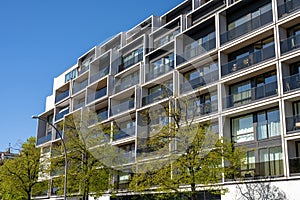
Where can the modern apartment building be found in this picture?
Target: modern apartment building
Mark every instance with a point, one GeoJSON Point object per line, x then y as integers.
{"type": "Point", "coordinates": [239, 59]}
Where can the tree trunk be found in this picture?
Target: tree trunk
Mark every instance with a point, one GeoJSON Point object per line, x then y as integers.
{"type": "Point", "coordinates": [193, 188]}
{"type": "Point", "coordinates": [28, 195]}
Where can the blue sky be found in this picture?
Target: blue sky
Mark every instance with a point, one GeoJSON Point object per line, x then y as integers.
{"type": "Point", "coordinates": [41, 39]}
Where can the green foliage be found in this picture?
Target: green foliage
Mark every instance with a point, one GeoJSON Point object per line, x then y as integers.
{"type": "Point", "coordinates": [19, 176]}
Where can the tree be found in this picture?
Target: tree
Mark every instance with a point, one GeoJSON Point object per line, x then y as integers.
{"type": "Point", "coordinates": [87, 175]}
{"type": "Point", "coordinates": [188, 155]}
{"type": "Point", "coordinates": [19, 176]}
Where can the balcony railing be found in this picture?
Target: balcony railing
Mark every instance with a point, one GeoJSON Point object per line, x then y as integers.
{"type": "Point", "coordinates": [292, 123]}
{"type": "Point", "coordinates": [131, 62]}
{"type": "Point", "coordinates": [60, 115]}
{"type": "Point", "coordinates": [272, 168]}
{"type": "Point", "coordinates": [123, 133]}
{"type": "Point", "coordinates": [44, 139]}
{"type": "Point", "coordinates": [200, 81]}
{"type": "Point", "coordinates": [290, 44]}
{"type": "Point", "coordinates": [83, 69]}
{"type": "Point", "coordinates": [101, 116]}
{"type": "Point", "coordinates": [247, 27]}
{"type": "Point", "coordinates": [97, 95]}
{"type": "Point", "coordinates": [250, 95]}
{"type": "Point", "coordinates": [151, 98]}
{"type": "Point", "coordinates": [294, 164]}
{"type": "Point", "coordinates": [80, 86]}
{"type": "Point", "coordinates": [288, 7]}
{"type": "Point", "coordinates": [200, 49]}
{"type": "Point", "coordinates": [99, 74]}
{"type": "Point", "coordinates": [77, 106]}
{"type": "Point", "coordinates": [249, 60]}
{"type": "Point", "coordinates": [291, 82]}
{"type": "Point", "coordinates": [62, 96]}
{"type": "Point", "coordinates": [165, 39]}
{"type": "Point", "coordinates": [127, 105]}
{"type": "Point", "coordinates": [122, 85]}
{"type": "Point", "coordinates": [162, 70]}
{"type": "Point", "coordinates": [202, 109]}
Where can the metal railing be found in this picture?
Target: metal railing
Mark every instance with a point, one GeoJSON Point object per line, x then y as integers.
{"type": "Point", "coordinates": [202, 109]}
{"type": "Point", "coordinates": [247, 27]}
{"type": "Point", "coordinates": [62, 96]}
{"type": "Point", "coordinates": [127, 105]}
{"type": "Point", "coordinates": [200, 81]}
{"type": "Point", "coordinates": [288, 7]}
{"type": "Point", "coordinates": [83, 69]}
{"type": "Point", "coordinates": [250, 95]}
{"type": "Point", "coordinates": [289, 44]}
{"type": "Point", "coordinates": [151, 98]}
{"type": "Point", "coordinates": [44, 139]}
{"type": "Point", "coordinates": [249, 60]}
{"type": "Point", "coordinates": [200, 49]}
{"type": "Point", "coordinates": [77, 106]}
{"type": "Point", "coordinates": [97, 95]}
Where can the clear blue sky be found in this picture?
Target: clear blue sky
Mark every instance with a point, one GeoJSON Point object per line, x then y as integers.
{"type": "Point", "coordinates": [40, 39]}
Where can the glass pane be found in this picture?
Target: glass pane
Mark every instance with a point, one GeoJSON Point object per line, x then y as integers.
{"type": "Point", "coordinates": [276, 165]}
{"type": "Point", "coordinates": [243, 128]}
{"type": "Point", "coordinates": [273, 123]}
{"type": "Point", "coordinates": [264, 162]}
{"type": "Point", "coordinates": [261, 126]}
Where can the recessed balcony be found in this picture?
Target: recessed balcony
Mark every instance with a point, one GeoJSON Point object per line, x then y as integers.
{"type": "Point", "coordinates": [163, 69]}
{"type": "Point", "coordinates": [249, 60]}
{"type": "Point", "coordinates": [294, 165]}
{"type": "Point", "coordinates": [291, 82]}
{"type": "Point", "coordinates": [79, 86]}
{"type": "Point", "coordinates": [251, 95]}
{"type": "Point", "coordinates": [202, 109]}
{"type": "Point", "coordinates": [292, 124]}
{"type": "Point", "coordinates": [97, 95]}
{"type": "Point", "coordinates": [123, 85]}
{"type": "Point", "coordinates": [122, 107]}
{"type": "Point", "coordinates": [289, 44]}
{"type": "Point", "coordinates": [248, 26]}
{"type": "Point", "coordinates": [44, 139]}
{"type": "Point", "coordinates": [61, 96]}
{"type": "Point", "coordinates": [200, 49]}
{"type": "Point", "coordinates": [60, 115]}
{"type": "Point", "coordinates": [199, 81]}
{"type": "Point", "coordinates": [156, 96]}
{"type": "Point", "coordinates": [288, 7]}
{"type": "Point", "coordinates": [124, 133]}
{"type": "Point", "coordinates": [99, 75]}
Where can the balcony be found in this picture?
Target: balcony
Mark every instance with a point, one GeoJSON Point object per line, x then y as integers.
{"type": "Point", "coordinates": [97, 95]}
{"type": "Point", "coordinates": [77, 106]}
{"type": "Point", "coordinates": [200, 81]}
{"type": "Point", "coordinates": [163, 69]}
{"type": "Point", "coordinates": [131, 62]}
{"type": "Point", "coordinates": [292, 123]}
{"type": "Point", "coordinates": [290, 44]}
{"type": "Point", "coordinates": [200, 49]}
{"type": "Point", "coordinates": [101, 116]}
{"type": "Point", "coordinates": [99, 74]}
{"type": "Point", "coordinates": [249, 60]}
{"type": "Point", "coordinates": [291, 82]}
{"type": "Point", "coordinates": [124, 133]}
{"type": "Point", "coordinates": [83, 69]}
{"type": "Point", "coordinates": [60, 115]}
{"type": "Point", "coordinates": [154, 97]}
{"type": "Point", "coordinates": [165, 39]}
{"type": "Point", "coordinates": [294, 165]}
{"type": "Point", "coordinates": [80, 86]}
{"type": "Point", "coordinates": [247, 27]}
{"type": "Point", "coordinates": [44, 139]}
{"type": "Point", "coordinates": [288, 7]}
{"type": "Point", "coordinates": [122, 107]}
{"type": "Point", "coordinates": [62, 96]}
{"type": "Point", "coordinates": [202, 109]}
{"type": "Point", "coordinates": [123, 85]}
{"type": "Point", "coordinates": [251, 95]}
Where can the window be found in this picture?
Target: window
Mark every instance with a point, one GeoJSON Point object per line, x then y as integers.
{"type": "Point", "coordinates": [162, 65]}
{"type": "Point", "coordinates": [271, 163]}
{"type": "Point", "coordinates": [268, 124]}
{"type": "Point", "coordinates": [242, 128]}
{"type": "Point", "coordinates": [248, 169]}
{"type": "Point", "coordinates": [241, 93]}
{"type": "Point", "coordinates": [71, 75]}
